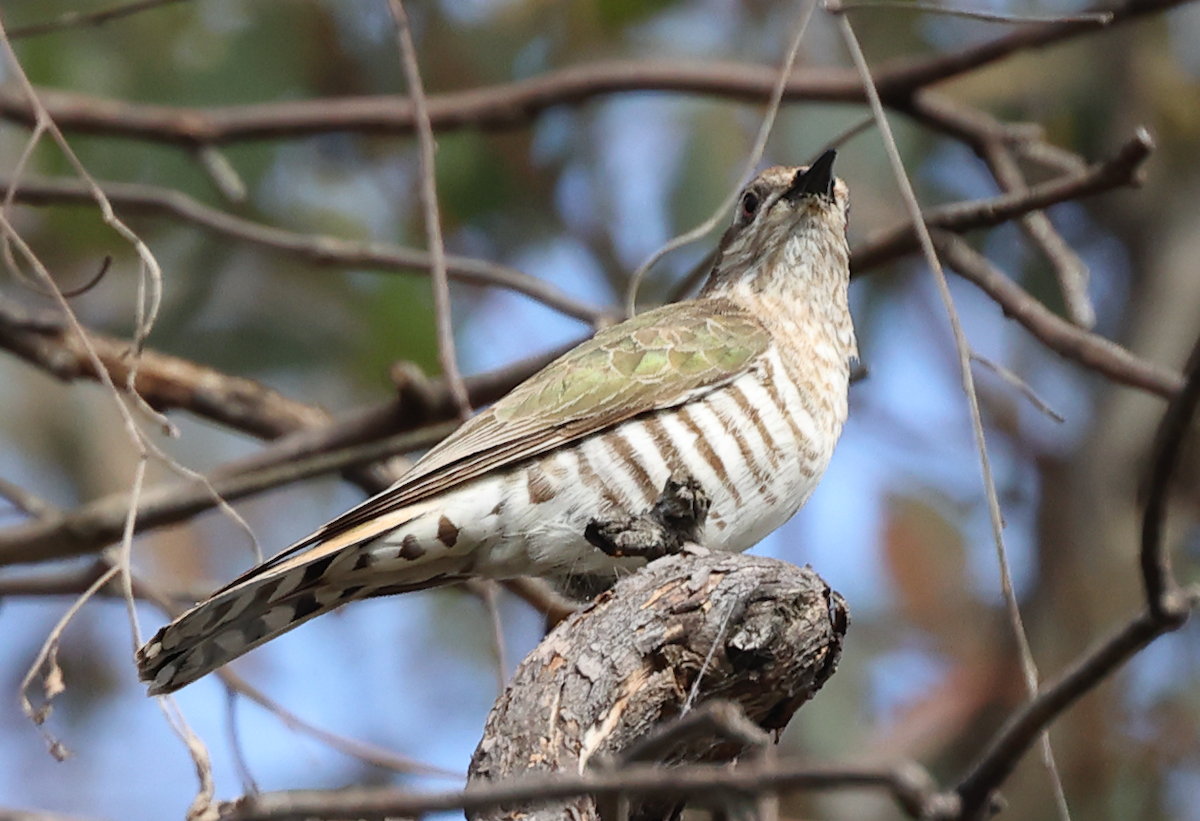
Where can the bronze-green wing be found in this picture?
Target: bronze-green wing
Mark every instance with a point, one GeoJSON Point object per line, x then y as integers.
{"type": "Point", "coordinates": [656, 360]}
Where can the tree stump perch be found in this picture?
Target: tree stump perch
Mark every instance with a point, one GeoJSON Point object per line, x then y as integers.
{"type": "Point", "coordinates": [687, 629]}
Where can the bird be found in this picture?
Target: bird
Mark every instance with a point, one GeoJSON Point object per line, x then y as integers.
{"type": "Point", "coordinates": [743, 388]}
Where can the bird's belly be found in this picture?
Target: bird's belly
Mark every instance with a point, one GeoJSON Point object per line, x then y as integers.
{"type": "Point", "coordinates": [757, 450]}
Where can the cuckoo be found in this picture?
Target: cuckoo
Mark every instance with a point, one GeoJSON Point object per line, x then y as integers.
{"type": "Point", "coordinates": [742, 389]}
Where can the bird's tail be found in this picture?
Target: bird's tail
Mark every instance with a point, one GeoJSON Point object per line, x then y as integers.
{"type": "Point", "coordinates": [302, 583]}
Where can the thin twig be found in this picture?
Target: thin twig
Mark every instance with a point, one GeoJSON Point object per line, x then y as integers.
{"type": "Point", "coordinates": [369, 753]}
{"type": "Point", "coordinates": [752, 161]}
{"type": "Point", "coordinates": [968, 382]}
{"type": "Point", "coordinates": [26, 501]}
{"type": "Point", "coordinates": [1072, 272]}
{"type": "Point", "coordinates": [79, 19]}
{"type": "Point", "coordinates": [99, 524]}
{"type": "Point", "coordinates": [1019, 384]}
{"type": "Point", "coordinates": [1102, 18]}
{"type": "Point", "coordinates": [487, 590]}
{"type": "Point", "coordinates": [318, 249]}
{"type": "Point", "coordinates": [433, 222]}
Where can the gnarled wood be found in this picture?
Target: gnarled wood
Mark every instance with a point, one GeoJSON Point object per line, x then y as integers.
{"type": "Point", "coordinates": [757, 632]}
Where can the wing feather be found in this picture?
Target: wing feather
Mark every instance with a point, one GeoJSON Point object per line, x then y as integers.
{"type": "Point", "coordinates": [656, 360]}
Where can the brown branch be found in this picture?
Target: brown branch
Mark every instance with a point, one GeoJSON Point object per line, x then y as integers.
{"type": "Point", "coordinates": [98, 524]}
{"type": "Point", "coordinates": [908, 784]}
{"type": "Point", "coordinates": [758, 635]}
{"type": "Point", "coordinates": [1035, 36]}
{"type": "Point", "coordinates": [1088, 349]}
{"type": "Point", "coordinates": [315, 248]}
{"type": "Point", "coordinates": [1121, 170]}
{"type": "Point", "coordinates": [165, 382]}
{"type": "Point", "coordinates": [25, 501]}
{"type": "Point", "coordinates": [1024, 727]}
{"type": "Point", "coordinates": [514, 105]}
{"type": "Point", "coordinates": [363, 437]}
{"type": "Point", "coordinates": [1167, 609]}
{"type": "Point", "coordinates": [1163, 595]}
{"type": "Point", "coordinates": [1072, 273]}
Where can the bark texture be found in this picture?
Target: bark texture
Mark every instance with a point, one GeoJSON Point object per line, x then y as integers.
{"type": "Point", "coordinates": [760, 633]}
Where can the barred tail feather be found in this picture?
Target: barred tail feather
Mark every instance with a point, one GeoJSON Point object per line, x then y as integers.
{"type": "Point", "coordinates": [306, 581]}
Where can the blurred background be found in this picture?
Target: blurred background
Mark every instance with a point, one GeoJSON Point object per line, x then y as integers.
{"type": "Point", "coordinates": [579, 198]}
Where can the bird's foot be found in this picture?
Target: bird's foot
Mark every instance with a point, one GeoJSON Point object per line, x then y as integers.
{"type": "Point", "coordinates": [676, 519]}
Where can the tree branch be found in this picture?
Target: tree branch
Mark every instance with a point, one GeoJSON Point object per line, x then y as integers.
{"type": "Point", "coordinates": [1088, 349]}
{"type": "Point", "coordinates": [1122, 169]}
{"type": "Point", "coordinates": [318, 249]}
{"type": "Point", "coordinates": [514, 105]}
{"type": "Point", "coordinates": [165, 382]}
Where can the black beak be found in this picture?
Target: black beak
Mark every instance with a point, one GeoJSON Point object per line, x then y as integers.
{"type": "Point", "coordinates": [818, 179]}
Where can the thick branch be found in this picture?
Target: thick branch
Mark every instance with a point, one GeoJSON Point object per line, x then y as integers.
{"type": "Point", "coordinates": [761, 633]}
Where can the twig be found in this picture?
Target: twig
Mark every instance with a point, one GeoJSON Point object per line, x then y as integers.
{"type": "Point", "coordinates": [370, 753]}
{"type": "Point", "coordinates": [968, 385]}
{"type": "Point", "coordinates": [222, 173]}
{"type": "Point", "coordinates": [487, 590]}
{"type": "Point", "coordinates": [79, 19]}
{"type": "Point", "coordinates": [240, 764]}
{"type": "Point", "coordinates": [433, 222]}
{"type": "Point", "coordinates": [52, 681]}
{"type": "Point", "coordinates": [1071, 271]}
{"type": "Point", "coordinates": [99, 524]}
{"type": "Point", "coordinates": [1163, 596]}
{"type": "Point", "coordinates": [542, 597]}
{"type": "Point", "coordinates": [752, 161]}
{"type": "Point", "coordinates": [1101, 18]}
{"type": "Point", "coordinates": [364, 751]}
{"type": "Point", "coordinates": [1019, 384]}
{"type": "Point", "coordinates": [909, 784]}
{"type": "Point", "coordinates": [25, 501]}
{"type": "Point", "coordinates": [1088, 349]}
{"type": "Point", "coordinates": [1122, 169]}
{"type": "Point", "coordinates": [166, 382]}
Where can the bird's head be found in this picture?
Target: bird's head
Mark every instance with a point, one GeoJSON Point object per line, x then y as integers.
{"type": "Point", "coordinates": [788, 235]}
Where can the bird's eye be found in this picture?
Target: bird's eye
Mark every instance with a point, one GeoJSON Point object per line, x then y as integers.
{"type": "Point", "coordinates": [749, 205]}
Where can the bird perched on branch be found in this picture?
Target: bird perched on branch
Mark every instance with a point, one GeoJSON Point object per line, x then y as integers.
{"type": "Point", "coordinates": [742, 388]}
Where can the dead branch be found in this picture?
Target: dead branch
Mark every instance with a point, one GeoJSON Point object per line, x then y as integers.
{"type": "Point", "coordinates": [1167, 608]}
{"type": "Point", "coordinates": [98, 524]}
